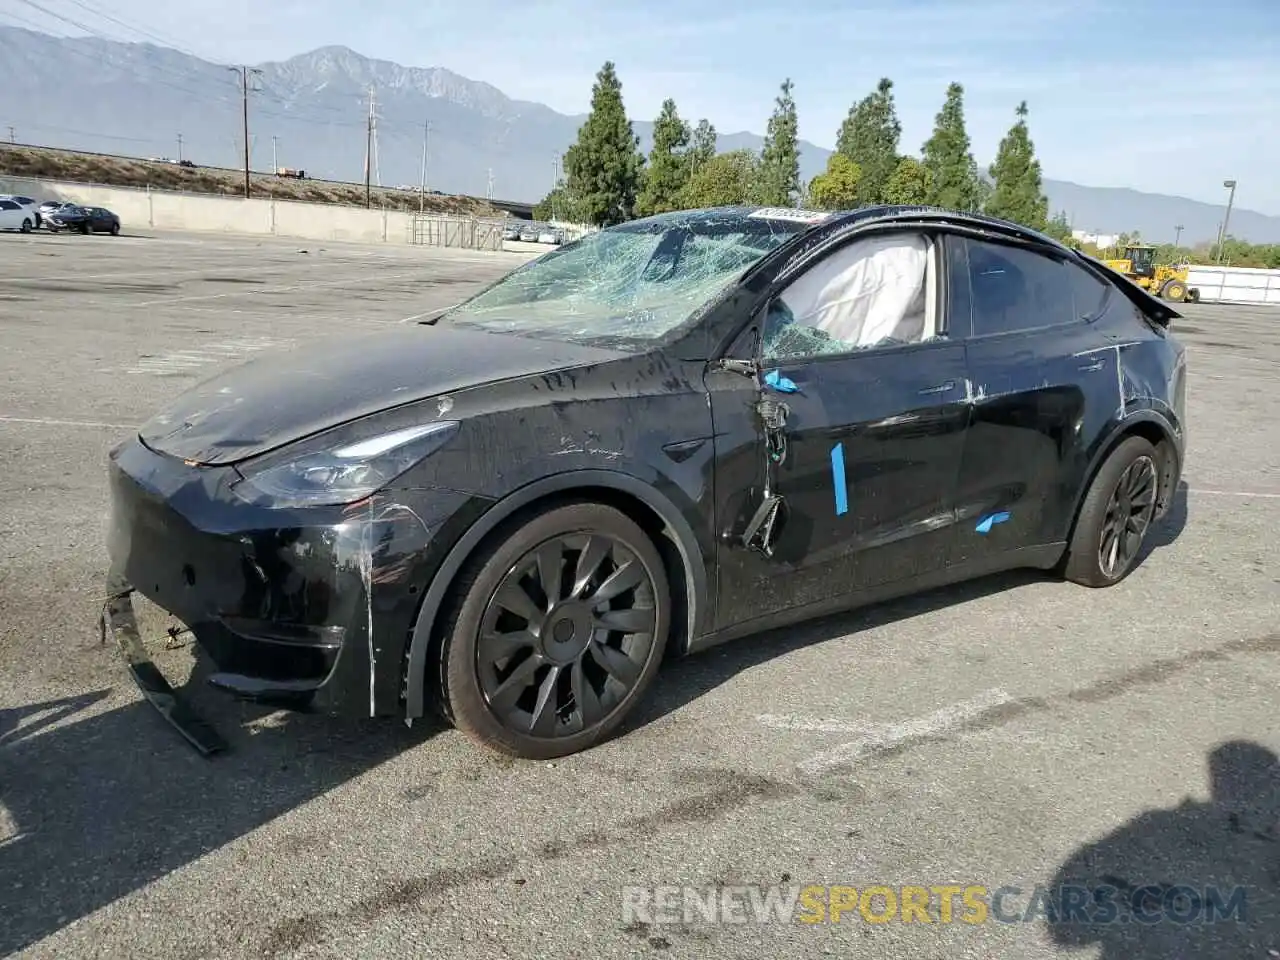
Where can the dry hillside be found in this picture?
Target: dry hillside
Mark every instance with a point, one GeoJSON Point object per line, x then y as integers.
{"type": "Point", "coordinates": [68, 165]}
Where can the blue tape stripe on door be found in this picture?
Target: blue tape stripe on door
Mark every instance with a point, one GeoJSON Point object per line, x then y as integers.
{"type": "Point", "coordinates": [837, 479]}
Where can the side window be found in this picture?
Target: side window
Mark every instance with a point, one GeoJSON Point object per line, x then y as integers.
{"type": "Point", "coordinates": [8, 205]}
{"type": "Point", "coordinates": [874, 292]}
{"type": "Point", "coordinates": [1016, 289]}
{"type": "Point", "coordinates": [1087, 291]}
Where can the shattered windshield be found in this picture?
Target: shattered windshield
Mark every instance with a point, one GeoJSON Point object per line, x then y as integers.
{"type": "Point", "coordinates": [626, 285]}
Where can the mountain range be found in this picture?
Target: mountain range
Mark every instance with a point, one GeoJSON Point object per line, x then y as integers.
{"type": "Point", "coordinates": [311, 112]}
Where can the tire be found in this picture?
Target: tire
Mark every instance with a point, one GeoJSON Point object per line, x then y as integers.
{"type": "Point", "coordinates": [574, 647]}
{"type": "Point", "coordinates": [1136, 463]}
{"type": "Point", "coordinates": [1193, 295]}
{"type": "Point", "coordinates": [1175, 291]}
{"type": "Point", "coordinates": [26, 226]}
{"type": "Point", "coordinates": [86, 229]}
{"type": "Point", "coordinates": [115, 229]}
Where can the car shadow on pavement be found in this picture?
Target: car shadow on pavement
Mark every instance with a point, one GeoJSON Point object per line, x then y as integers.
{"type": "Point", "coordinates": [685, 680]}
{"type": "Point", "coordinates": [102, 803]}
{"type": "Point", "coordinates": [1200, 880]}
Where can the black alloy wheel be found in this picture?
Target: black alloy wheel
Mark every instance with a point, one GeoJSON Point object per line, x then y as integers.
{"type": "Point", "coordinates": [1129, 513]}
{"type": "Point", "coordinates": [1115, 517]}
{"type": "Point", "coordinates": [560, 632]}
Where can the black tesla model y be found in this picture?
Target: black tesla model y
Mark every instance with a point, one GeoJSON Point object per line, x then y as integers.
{"type": "Point", "coordinates": [670, 433]}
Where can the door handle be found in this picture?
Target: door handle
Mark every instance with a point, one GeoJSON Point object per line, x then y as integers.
{"type": "Point", "coordinates": [940, 388]}
{"type": "Point", "coordinates": [1096, 365]}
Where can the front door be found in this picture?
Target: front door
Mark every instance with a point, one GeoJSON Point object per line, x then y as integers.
{"type": "Point", "coordinates": [864, 460]}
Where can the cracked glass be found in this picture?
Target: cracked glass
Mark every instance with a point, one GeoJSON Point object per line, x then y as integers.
{"type": "Point", "coordinates": [630, 285]}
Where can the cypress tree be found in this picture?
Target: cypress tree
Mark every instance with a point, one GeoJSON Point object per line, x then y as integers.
{"type": "Point", "coordinates": [1019, 190]}
{"type": "Point", "coordinates": [947, 161]}
{"type": "Point", "coordinates": [869, 137]}
{"type": "Point", "coordinates": [668, 164]}
{"type": "Point", "coordinates": [778, 181]}
{"type": "Point", "coordinates": [605, 164]}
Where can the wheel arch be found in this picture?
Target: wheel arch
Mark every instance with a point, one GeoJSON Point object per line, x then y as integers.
{"type": "Point", "coordinates": [648, 507]}
{"type": "Point", "coordinates": [1153, 428]}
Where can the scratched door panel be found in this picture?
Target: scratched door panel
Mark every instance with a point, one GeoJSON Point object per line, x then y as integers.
{"type": "Point", "coordinates": [873, 451]}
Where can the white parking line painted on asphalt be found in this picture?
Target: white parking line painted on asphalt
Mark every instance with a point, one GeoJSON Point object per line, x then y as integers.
{"type": "Point", "coordinates": [885, 736]}
{"type": "Point", "coordinates": [1234, 493]}
{"type": "Point", "coordinates": [47, 422]}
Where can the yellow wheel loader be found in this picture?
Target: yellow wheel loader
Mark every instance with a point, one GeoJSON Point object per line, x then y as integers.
{"type": "Point", "coordinates": [1164, 280]}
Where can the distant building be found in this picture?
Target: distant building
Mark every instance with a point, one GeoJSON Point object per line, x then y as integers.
{"type": "Point", "coordinates": [1099, 240]}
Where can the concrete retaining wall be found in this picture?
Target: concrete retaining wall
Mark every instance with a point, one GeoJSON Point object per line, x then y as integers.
{"type": "Point", "coordinates": [141, 208]}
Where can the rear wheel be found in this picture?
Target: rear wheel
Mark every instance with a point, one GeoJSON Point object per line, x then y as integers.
{"type": "Point", "coordinates": [556, 633]}
{"type": "Point", "coordinates": [26, 226]}
{"type": "Point", "coordinates": [1174, 290]}
{"type": "Point", "coordinates": [85, 228]}
{"type": "Point", "coordinates": [1116, 514]}
{"type": "Point", "coordinates": [115, 229]}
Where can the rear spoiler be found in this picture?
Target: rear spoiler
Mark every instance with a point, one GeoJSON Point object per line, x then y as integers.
{"type": "Point", "coordinates": [1158, 311]}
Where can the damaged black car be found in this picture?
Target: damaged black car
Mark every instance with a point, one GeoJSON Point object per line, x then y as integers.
{"type": "Point", "coordinates": [667, 434]}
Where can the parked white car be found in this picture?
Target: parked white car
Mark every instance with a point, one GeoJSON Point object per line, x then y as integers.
{"type": "Point", "coordinates": [29, 203]}
{"type": "Point", "coordinates": [14, 216]}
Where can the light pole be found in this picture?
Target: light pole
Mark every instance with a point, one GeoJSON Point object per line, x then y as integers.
{"type": "Point", "coordinates": [1226, 220]}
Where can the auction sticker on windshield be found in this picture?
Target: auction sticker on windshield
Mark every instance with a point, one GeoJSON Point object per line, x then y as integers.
{"type": "Point", "coordinates": [789, 213]}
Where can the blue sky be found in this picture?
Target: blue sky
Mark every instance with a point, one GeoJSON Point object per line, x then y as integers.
{"type": "Point", "coordinates": [1161, 95]}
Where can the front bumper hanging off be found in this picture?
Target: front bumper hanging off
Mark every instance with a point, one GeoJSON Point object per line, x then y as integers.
{"type": "Point", "coordinates": [119, 620]}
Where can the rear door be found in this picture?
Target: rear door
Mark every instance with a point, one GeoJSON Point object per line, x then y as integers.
{"type": "Point", "coordinates": [866, 462]}
{"type": "Point", "coordinates": [1041, 382]}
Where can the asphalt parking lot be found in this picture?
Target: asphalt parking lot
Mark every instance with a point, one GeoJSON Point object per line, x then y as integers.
{"type": "Point", "coordinates": [983, 735]}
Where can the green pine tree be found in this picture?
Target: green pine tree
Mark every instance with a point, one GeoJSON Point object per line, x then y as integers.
{"type": "Point", "coordinates": [869, 137]}
{"type": "Point", "coordinates": [668, 168]}
{"type": "Point", "coordinates": [953, 183]}
{"type": "Point", "coordinates": [779, 174]}
{"type": "Point", "coordinates": [702, 145]}
{"type": "Point", "coordinates": [1019, 194]}
{"type": "Point", "coordinates": [604, 165]}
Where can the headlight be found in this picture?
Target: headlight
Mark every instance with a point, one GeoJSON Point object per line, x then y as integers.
{"type": "Point", "coordinates": [341, 474]}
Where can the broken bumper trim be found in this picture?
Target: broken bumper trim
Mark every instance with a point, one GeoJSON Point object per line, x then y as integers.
{"type": "Point", "coordinates": [119, 620]}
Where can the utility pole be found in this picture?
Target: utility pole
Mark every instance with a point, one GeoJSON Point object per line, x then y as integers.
{"type": "Point", "coordinates": [179, 148]}
{"type": "Point", "coordinates": [422, 191]}
{"type": "Point", "coordinates": [489, 193]}
{"type": "Point", "coordinates": [13, 136]}
{"type": "Point", "coordinates": [244, 93]}
{"type": "Point", "coordinates": [275, 166]}
{"type": "Point", "coordinates": [1177, 236]}
{"type": "Point", "coordinates": [1226, 220]}
{"type": "Point", "coordinates": [368, 152]}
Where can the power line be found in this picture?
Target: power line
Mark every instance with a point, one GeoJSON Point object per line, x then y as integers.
{"type": "Point", "coordinates": [163, 41]}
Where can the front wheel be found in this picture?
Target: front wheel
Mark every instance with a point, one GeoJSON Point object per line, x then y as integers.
{"type": "Point", "coordinates": [556, 633]}
{"type": "Point", "coordinates": [1175, 291]}
{"type": "Point", "coordinates": [26, 226]}
{"type": "Point", "coordinates": [1116, 514]}
{"type": "Point", "coordinates": [115, 229]}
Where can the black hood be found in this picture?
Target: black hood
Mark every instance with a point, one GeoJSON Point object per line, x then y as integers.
{"type": "Point", "coordinates": [283, 396]}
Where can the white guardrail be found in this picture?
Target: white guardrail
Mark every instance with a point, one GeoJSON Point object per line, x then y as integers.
{"type": "Point", "coordinates": [1235, 284]}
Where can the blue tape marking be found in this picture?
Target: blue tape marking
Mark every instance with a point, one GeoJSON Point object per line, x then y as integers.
{"type": "Point", "coordinates": [985, 524]}
{"type": "Point", "coordinates": [837, 479]}
{"type": "Point", "coordinates": [780, 383]}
